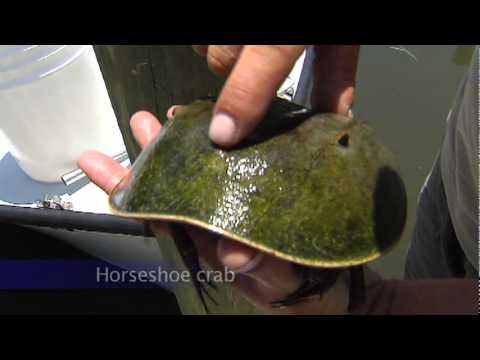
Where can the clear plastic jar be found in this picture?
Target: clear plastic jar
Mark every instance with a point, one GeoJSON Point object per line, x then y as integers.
{"type": "Point", "coordinates": [53, 106]}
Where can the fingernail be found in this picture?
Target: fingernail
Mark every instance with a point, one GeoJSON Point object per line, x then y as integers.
{"type": "Point", "coordinates": [251, 265]}
{"type": "Point", "coordinates": [222, 129]}
{"type": "Point", "coordinates": [171, 112]}
{"type": "Point", "coordinates": [237, 257]}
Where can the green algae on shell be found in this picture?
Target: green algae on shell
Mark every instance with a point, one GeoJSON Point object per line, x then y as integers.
{"type": "Point", "coordinates": [315, 189]}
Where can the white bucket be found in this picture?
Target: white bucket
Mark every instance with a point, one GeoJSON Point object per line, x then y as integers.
{"type": "Point", "coordinates": [53, 106]}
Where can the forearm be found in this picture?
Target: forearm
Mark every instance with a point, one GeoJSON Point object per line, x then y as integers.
{"type": "Point", "coordinates": [401, 297]}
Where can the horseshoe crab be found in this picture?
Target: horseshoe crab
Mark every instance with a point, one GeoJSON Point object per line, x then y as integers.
{"type": "Point", "coordinates": [315, 189]}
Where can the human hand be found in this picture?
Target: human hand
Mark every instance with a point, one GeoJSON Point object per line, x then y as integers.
{"type": "Point", "coordinates": [255, 72]}
{"type": "Point", "coordinates": [261, 278]}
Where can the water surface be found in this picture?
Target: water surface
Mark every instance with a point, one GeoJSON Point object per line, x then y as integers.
{"type": "Point", "coordinates": [407, 97]}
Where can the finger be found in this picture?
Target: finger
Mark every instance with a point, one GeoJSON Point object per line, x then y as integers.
{"type": "Point", "coordinates": [173, 110]}
{"type": "Point", "coordinates": [200, 49]}
{"type": "Point", "coordinates": [264, 279]}
{"type": "Point", "coordinates": [275, 278]}
{"type": "Point", "coordinates": [222, 58]}
{"type": "Point", "coordinates": [248, 91]}
{"type": "Point", "coordinates": [145, 127]}
{"type": "Point", "coordinates": [102, 170]}
{"type": "Point", "coordinates": [334, 70]}
{"type": "Point", "coordinates": [238, 257]}
{"type": "Point", "coordinates": [160, 228]}
{"type": "Point", "coordinates": [206, 244]}
{"type": "Point", "coordinates": [270, 279]}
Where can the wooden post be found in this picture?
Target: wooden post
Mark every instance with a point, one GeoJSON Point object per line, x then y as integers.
{"type": "Point", "coordinates": [152, 78]}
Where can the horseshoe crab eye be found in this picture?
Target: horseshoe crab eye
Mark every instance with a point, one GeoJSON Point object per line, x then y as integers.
{"type": "Point", "coordinates": [343, 140]}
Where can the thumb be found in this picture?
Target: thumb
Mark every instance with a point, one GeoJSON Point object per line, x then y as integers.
{"type": "Point", "coordinates": [248, 91]}
{"type": "Point", "coordinates": [274, 278]}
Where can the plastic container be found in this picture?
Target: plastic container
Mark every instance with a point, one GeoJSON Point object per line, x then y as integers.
{"type": "Point", "coordinates": [53, 106]}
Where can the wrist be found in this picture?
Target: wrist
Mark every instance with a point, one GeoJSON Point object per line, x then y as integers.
{"type": "Point", "coordinates": [378, 295]}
